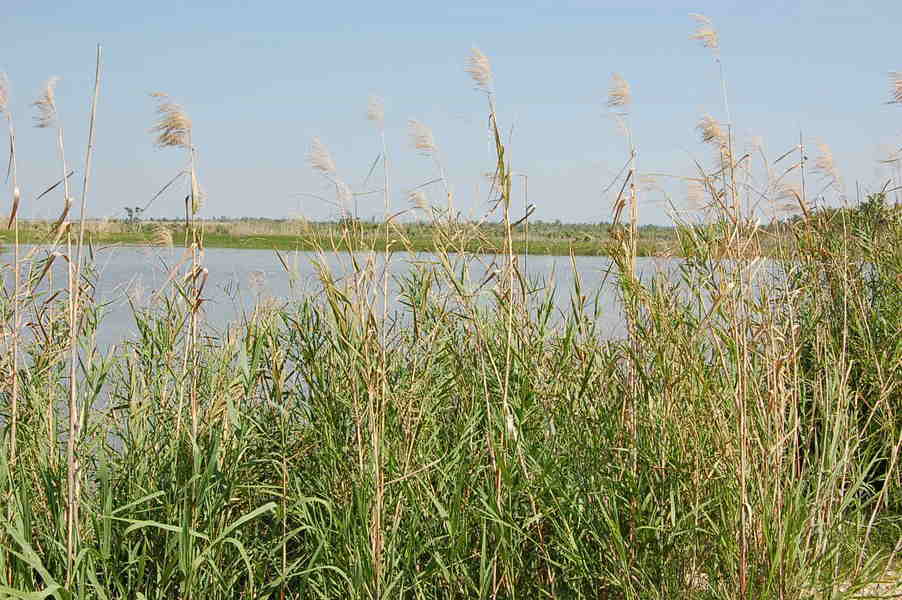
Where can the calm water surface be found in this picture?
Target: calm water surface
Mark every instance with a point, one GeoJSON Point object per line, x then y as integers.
{"type": "Point", "coordinates": [239, 278]}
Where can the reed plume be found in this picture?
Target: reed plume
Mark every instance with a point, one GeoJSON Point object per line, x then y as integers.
{"type": "Point", "coordinates": [711, 132]}
{"type": "Point", "coordinates": [620, 93]}
{"type": "Point", "coordinates": [320, 158]}
{"type": "Point", "coordinates": [895, 87]}
{"type": "Point", "coordinates": [705, 32]}
{"type": "Point", "coordinates": [480, 69]}
{"type": "Point", "coordinates": [421, 137]}
{"type": "Point", "coordinates": [825, 165]}
{"type": "Point", "coordinates": [4, 94]}
{"type": "Point", "coordinates": [173, 127]}
{"type": "Point", "coordinates": [46, 105]}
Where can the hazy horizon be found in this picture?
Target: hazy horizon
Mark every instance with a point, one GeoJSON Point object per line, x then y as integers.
{"type": "Point", "coordinates": [260, 81]}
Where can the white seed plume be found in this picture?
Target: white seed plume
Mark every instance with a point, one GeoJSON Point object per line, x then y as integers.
{"type": "Point", "coordinates": [480, 69]}
{"type": "Point", "coordinates": [319, 157]}
{"type": "Point", "coordinates": [421, 137]}
{"type": "Point", "coordinates": [705, 32]}
{"type": "Point", "coordinates": [620, 93]}
{"type": "Point", "coordinates": [46, 105]}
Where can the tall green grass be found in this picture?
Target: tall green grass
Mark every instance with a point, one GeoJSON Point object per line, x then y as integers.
{"type": "Point", "coordinates": [742, 441]}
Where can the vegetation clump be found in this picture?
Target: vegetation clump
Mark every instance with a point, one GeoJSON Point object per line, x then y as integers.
{"type": "Point", "coordinates": [741, 440]}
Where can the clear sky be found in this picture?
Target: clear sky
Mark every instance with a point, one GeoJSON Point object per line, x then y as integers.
{"type": "Point", "coordinates": [261, 79]}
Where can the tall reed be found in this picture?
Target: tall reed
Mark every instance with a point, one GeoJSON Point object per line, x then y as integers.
{"type": "Point", "coordinates": [455, 430]}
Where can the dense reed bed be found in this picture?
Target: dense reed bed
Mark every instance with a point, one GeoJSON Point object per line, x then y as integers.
{"type": "Point", "coordinates": [742, 441]}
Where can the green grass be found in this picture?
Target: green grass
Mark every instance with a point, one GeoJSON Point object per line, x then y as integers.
{"type": "Point", "coordinates": [741, 441]}
{"type": "Point", "coordinates": [575, 468]}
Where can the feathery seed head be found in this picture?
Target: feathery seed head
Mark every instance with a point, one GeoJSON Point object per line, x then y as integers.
{"type": "Point", "coordinates": [375, 110]}
{"type": "Point", "coordinates": [705, 32]}
{"type": "Point", "coordinates": [895, 84]}
{"type": "Point", "coordinates": [826, 166]}
{"type": "Point", "coordinates": [320, 158]}
{"type": "Point", "coordinates": [711, 132]}
{"type": "Point", "coordinates": [173, 127]}
{"type": "Point", "coordinates": [4, 93]}
{"type": "Point", "coordinates": [46, 105]}
{"type": "Point", "coordinates": [421, 137]}
{"type": "Point", "coordinates": [480, 69]}
{"type": "Point", "coordinates": [619, 93]}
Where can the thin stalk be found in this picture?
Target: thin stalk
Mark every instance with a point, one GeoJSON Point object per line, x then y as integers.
{"type": "Point", "coordinates": [71, 458]}
{"type": "Point", "coordinates": [14, 417]}
{"type": "Point", "coordinates": [74, 422]}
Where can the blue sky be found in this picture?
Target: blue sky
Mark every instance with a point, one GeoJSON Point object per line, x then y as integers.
{"type": "Point", "coordinates": [261, 79]}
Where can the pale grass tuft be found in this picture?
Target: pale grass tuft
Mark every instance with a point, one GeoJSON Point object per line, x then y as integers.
{"type": "Point", "coordinates": [711, 131]}
{"type": "Point", "coordinates": [4, 93]}
{"type": "Point", "coordinates": [421, 137]}
{"type": "Point", "coordinates": [895, 87]}
{"type": "Point", "coordinates": [375, 110]}
{"type": "Point", "coordinates": [705, 32]}
{"type": "Point", "coordinates": [162, 237]}
{"type": "Point", "coordinates": [46, 105]}
{"type": "Point", "coordinates": [173, 129]}
{"type": "Point", "coordinates": [826, 166]}
{"type": "Point", "coordinates": [620, 93]}
{"type": "Point", "coordinates": [320, 158]}
{"type": "Point", "coordinates": [480, 69]}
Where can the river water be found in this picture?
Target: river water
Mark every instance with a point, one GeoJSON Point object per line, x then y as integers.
{"type": "Point", "coordinates": [238, 279]}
